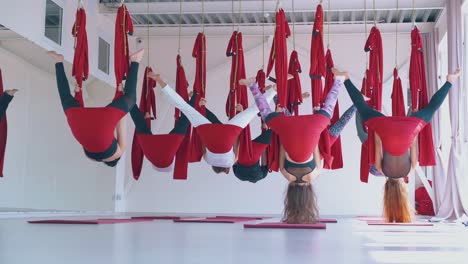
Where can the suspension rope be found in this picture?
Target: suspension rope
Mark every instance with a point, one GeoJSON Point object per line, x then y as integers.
{"type": "Point", "coordinates": [148, 35]}
{"type": "Point", "coordinates": [375, 13]}
{"type": "Point", "coordinates": [365, 28]}
{"type": "Point", "coordinates": [203, 44]}
{"type": "Point", "coordinates": [396, 32]}
{"type": "Point", "coordinates": [232, 15]}
{"type": "Point", "coordinates": [203, 16]}
{"type": "Point", "coordinates": [239, 18]}
{"type": "Point", "coordinates": [328, 24]}
{"type": "Point", "coordinates": [293, 18]}
{"type": "Point", "coordinates": [180, 24]}
{"type": "Point", "coordinates": [263, 34]}
{"type": "Point", "coordinates": [413, 15]}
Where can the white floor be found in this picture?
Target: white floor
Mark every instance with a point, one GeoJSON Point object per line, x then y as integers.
{"type": "Point", "coordinates": [349, 241]}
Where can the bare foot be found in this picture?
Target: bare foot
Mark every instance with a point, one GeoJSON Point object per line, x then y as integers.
{"type": "Point", "coordinates": [305, 95]}
{"type": "Point", "coordinates": [264, 126]}
{"type": "Point", "coordinates": [120, 88]}
{"type": "Point", "coordinates": [366, 98]}
{"type": "Point", "coordinates": [336, 72]}
{"type": "Point", "coordinates": [11, 92]}
{"type": "Point", "coordinates": [290, 76]}
{"type": "Point", "coordinates": [77, 88]}
{"type": "Point", "coordinates": [147, 115]}
{"type": "Point", "coordinates": [248, 81]}
{"type": "Point", "coordinates": [239, 108]}
{"type": "Point", "coordinates": [137, 56]}
{"type": "Point", "coordinates": [153, 76]}
{"type": "Point", "coordinates": [279, 109]}
{"type": "Point", "coordinates": [270, 87]}
{"type": "Point", "coordinates": [190, 94]}
{"type": "Point", "coordinates": [202, 102]}
{"type": "Point", "coordinates": [54, 55]}
{"type": "Point", "coordinates": [452, 77]}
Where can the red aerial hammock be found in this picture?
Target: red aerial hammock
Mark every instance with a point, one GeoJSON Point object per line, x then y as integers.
{"type": "Point", "coordinates": [374, 47]}
{"type": "Point", "coordinates": [182, 156]}
{"type": "Point", "coordinates": [80, 61]}
{"type": "Point", "coordinates": [294, 84]}
{"type": "Point", "coordinates": [238, 93]}
{"type": "Point", "coordinates": [3, 132]}
{"type": "Point", "coordinates": [199, 85]}
{"type": "Point", "coordinates": [317, 59]}
{"type": "Point", "coordinates": [398, 102]}
{"type": "Point", "coordinates": [279, 57]}
{"type": "Point", "coordinates": [123, 26]}
{"type": "Point", "coordinates": [147, 105]}
{"type": "Point", "coordinates": [419, 97]}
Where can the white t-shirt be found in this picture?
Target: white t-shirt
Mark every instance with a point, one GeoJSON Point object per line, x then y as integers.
{"type": "Point", "coordinates": [223, 160]}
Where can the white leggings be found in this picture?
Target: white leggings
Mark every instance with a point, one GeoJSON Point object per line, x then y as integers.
{"type": "Point", "coordinates": [196, 119]}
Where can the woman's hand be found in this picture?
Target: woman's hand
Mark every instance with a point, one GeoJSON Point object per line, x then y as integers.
{"type": "Point", "coordinates": [337, 73]}
{"type": "Point", "coordinates": [452, 77]}
{"type": "Point", "coordinates": [11, 92]}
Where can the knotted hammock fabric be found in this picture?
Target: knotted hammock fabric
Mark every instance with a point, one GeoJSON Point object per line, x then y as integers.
{"type": "Point", "coordinates": [3, 132]}
{"type": "Point", "coordinates": [123, 27]}
{"type": "Point", "coordinates": [317, 59]}
{"type": "Point", "coordinates": [419, 97]}
{"type": "Point", "coordinates": [375, 75]}
{"type": "Point", "coordinates": [182, 155]}
{"type": "Point", "coordinates": [199, 86]}
{"type": "Point", "coordinates": [80, 68]}
{"type": "Point", "coordinates": [294, 85]}
{"type": "Point", "coordinates": [147, 105]}
{"type": "Point", "coordinates": [279, 57]}
{"type": "Point", "coordinates": [330, 148]}
{"type": "Point", "coordinates": [238, 93]}
{"type": "Point", "coordinates": [398, 101]}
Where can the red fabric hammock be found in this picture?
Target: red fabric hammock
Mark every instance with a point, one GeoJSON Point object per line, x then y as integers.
{"type": "Point", "coordinates": [398, 102]}
{"type": "Point", "coordinates": [3, 132]}
{"type": "Point", "coordinates": [199, 86]}
{"type": "Point", "coordinates": [238, 93]}
{"type": "Point", "coordinates": [317, 59]}
{"type": "Point", "coordinates": [147, 105]}
{"type": "Point", "coordinates": [123, 26]}
{"type": "Point", "coordinates": [279, 57]}
{"type": "Point", "coordinates": [419, 97]}
{"type": "Point", "coordinates": [330, 148]}
{"type": "Point", "coordinates": [294, 85]}
{"type": "Point", "coordinates": [365, 147]}
{"type": "Point", "coordinates": [80, 61]}
{"type": "Point", "coordinates": [182, 155]}
{"type": "Point", "coordinates": [374, 47]}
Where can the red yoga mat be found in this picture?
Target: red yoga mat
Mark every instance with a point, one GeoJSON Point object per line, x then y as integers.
{"type": "Point", "coordinates": [88, 221]}
{"type": "Point", "coordinates": [398, 224]}
{"type": "Point", "coordinates": [287, 226]}
{"type": "Point", "coordinates": [211, 220]}
{"type": "Point", "coordinates": [241, 217]}
{"type": "Point", "coordinates": [328, 221]}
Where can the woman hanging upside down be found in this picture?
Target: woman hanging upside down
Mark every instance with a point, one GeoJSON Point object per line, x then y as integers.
{"type": "Point", "coordinates": [300, 159]}
{"type": "Point", "coordinates": [395, 145]}
{"type": "Point", "coordinates": [161, 149]}
{"type": "Point", "coordinates": [93, 127]}
{"type": "Point", "coordinates": [218, 139]}
{"type": "Point", "coordinates": [5, 100]}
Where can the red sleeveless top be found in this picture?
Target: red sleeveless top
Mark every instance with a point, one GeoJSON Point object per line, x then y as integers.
{"type": "Point", "coordinates": [299, 135]}
{"type": "Point", "coordinates": [160, 150]}
{"type": "Point", "coordinates": [218, 138]}
{"type": "Point", "coordinates": [93, 127]}
{"type": "Point", "coordinates": [396, 132]}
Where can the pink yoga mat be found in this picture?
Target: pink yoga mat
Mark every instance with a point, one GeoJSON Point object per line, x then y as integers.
{"type": "Point", "coordinates": [287, 226]}
{"type": "Point", "coordinates": [398, 224]}
{"type": "Point", "coordinates": [210, 220]}
{"type": "Point", "coordinates": [241, 217]}
{"type": "Point", "coordinates": [88, 221]}
{"type": "Point", "coordinates": [328, 221]}
{"type": "Point", "coordinates": [164, 217]}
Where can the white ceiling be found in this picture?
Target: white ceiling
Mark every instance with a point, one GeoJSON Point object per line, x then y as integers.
{"type": "Point", "coordinates": [162, 16]}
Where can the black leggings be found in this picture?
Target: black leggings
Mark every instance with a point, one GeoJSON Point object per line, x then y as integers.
{"type": "Point", "coordinates": [124, 103]}
{"type": "Point", "coordinates": [5, 100]}
{"type": "Point", "coordinates": [425, 114]}
{"type": "Point", "coordinates": [142, 128]}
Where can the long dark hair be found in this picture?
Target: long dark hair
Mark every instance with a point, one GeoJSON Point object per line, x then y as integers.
{"type": "Point", "coordinates": [397, 208]}
{"type": "Point", "coordinates": [300, 205]}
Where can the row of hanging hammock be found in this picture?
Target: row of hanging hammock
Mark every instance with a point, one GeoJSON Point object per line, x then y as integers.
{"type": "Point", "coordinates": [289, 91]}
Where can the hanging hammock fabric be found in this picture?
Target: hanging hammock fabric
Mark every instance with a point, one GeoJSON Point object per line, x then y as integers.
{"type": "Point", "coordinates": [238, 93]}
{"type": "Point", "coordinates": [419, 97]}
{"type": "Point", "coordinates": [317, 59]}
{"type": "Point", "coordinates": [261, 80]}
{"type": "Point", "coordinates": [147, 105]}
{"type": "Point", "coordinates": [199, 85]}
{"type": "Point", "coordinates": [80, 60]}
{"type": "Point", "coordinates": [3, 132]}
{"type": "Point", "coordinates": [182, 155]}
{"type": "Point", "coordinates": [123, 27]}
{"type": "Point", "coordinates": [331, 147]}
{"type": "Point", "coordinates": [279, 57]}
{"type": "Point", "coordinates": [374, 47]}
{"type": "Point", "coordinates": [398, 102]}
{"type": "Point", "coordinates": [294, 85]}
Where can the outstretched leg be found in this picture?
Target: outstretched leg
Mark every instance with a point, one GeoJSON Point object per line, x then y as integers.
{"type": "Point", "coordinates": [139, 121]}
{"type": "Point", "coordinates": [437, 99]}
{"type": "Point", "coordinates": [243, 118]}
{"type": "Point", "coordinates": [67, 100]}
{"type": "Point", "coordinates": [332, 98]}
{"type": "Point", "coordinates": [336, 129]}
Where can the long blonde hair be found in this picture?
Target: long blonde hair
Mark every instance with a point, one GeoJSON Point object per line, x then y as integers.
{"type": "Point", "coordinates": [397, 208]}
{"type": "Point", "coordinates": [300, 205]}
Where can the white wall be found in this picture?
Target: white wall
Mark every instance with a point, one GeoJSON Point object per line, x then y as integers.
{"type": "Point", "coordinates": [339, 192]}
{"type": "Point", "coordinates": [44, 166]}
